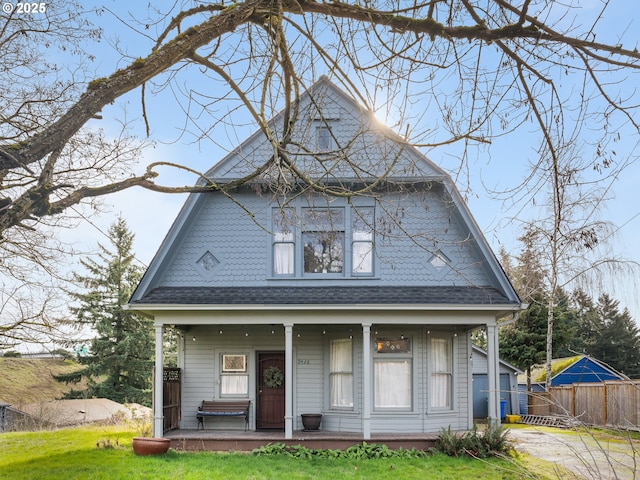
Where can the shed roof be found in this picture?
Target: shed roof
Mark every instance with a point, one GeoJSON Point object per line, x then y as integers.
{"type": "Point", "coordinates": [577, 369]}
{"type": "Point", "coordinates": [483, 352]}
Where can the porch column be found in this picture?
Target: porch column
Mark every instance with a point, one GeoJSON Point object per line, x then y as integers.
{"type": "Point", "coordinates": [158, 407]}
{"type": "Point", "coordinates": [366, 381]}
{"type": "Point", "coordinates": [288, 380]}
{"type": "Point", "coordinates": [493, 374]}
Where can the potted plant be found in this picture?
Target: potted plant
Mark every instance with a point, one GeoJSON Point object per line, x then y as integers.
{"type": "Point", "coordinates": [144, 443]}
{"type": "Point", "coordinates": [311, 421]}
{"type": "Point", "coordinates": [150, 445]}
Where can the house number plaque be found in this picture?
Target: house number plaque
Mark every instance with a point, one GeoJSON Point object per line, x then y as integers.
{"type": "Point", "coordinates": [304, 361]}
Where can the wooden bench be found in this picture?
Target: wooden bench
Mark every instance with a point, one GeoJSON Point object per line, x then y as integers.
{"type": "Point", "coordinates": [223, 408]}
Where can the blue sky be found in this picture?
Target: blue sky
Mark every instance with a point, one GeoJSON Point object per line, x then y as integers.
{"type": "Point", "coordinates": [150, 214]}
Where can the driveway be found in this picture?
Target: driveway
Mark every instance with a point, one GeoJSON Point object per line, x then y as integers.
{"type": "Point", "coordinates": [580, 453]}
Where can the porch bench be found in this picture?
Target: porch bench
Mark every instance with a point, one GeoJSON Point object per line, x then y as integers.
{"type": "Point", "coordinates": [223, 408]}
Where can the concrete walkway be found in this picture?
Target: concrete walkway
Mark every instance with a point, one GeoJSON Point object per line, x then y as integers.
{"type": "Point", "coordinates": [580, 453]}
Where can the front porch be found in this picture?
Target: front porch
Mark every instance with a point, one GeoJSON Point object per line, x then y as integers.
{"type": "Point", "coordinates": [235, 440]}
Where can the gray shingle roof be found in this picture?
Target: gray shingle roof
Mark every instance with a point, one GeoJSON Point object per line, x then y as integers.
{"type": "Point", "coordinates": [333, 295]}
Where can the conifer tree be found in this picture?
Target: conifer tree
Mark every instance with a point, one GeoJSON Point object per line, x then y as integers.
{"type": "Point", "coordinates": [615, 338]}
{"type": "Point", "coordinates": [120, 359]}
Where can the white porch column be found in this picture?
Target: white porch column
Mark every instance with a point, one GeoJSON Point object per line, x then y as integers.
{"type": "Point", "coordinates": [493, 374]}
{"type": "Point", "coordinates": [366, 381]}
{"type": "Point", "coordinates": [158, 407]}
{"type": "Point", "coordinates": [288, 380]}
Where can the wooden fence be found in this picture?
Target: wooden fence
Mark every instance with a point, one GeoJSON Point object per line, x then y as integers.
{"type": "Point", "coordinates": [171, 398]}
{"type": "Point", "coordinates": [610, 403]}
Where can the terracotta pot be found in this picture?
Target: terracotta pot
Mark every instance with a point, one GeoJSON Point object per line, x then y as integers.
{"type": "Point", "coordinates": [150, 446]}
{"type": "Point", "coordinates": [311, 421]}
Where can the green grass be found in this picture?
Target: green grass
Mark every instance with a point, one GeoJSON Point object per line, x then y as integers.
{"type": "Point", "coordinates": [73, 454]}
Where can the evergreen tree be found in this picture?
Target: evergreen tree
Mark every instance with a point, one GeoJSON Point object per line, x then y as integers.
{"type": "Point", "coordinates": [120, 360]}
{"type": "Point", "coordinates": [618, 341]}
{"type": "Point", "coordinates": [587, 324]}
{"type": "Point", "coordinates": [522, 343]}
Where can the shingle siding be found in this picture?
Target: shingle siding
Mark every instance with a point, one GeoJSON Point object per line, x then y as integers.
{"type": "Point", "coordinates": [242, 245]}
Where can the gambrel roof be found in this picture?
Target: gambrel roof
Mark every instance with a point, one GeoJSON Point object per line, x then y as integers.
{"type": "Point", "coordinates": [373, 151]}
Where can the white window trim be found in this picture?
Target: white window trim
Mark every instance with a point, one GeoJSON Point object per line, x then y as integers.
{"type": "Point", "coordinates": [348, 241]}
{"type": "Point", "coordinates": [338, 408]}
{"type": "Point", "coordinates": [382, 357]}
{"type": "Point", "coordinates": [451, 337]}
{"type": "Point", "coordinates": [221, 373]}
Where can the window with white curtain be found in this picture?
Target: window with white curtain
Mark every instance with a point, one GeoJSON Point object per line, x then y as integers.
{"type": "Point", "coordinates": [315, 241]}
{"type": "Point", "coordinates": [362, 241]}
{"type": "Point", "coordinates": [341, 373]}
{"type": "Point", "coordinates": [236, 385]}
{"type": "Point", "coordinates": [441, 368]}
{"type": "Point", "coordinates": [234, 377]}
{"type": "Point", "coordinates": [283, 242]}
{"type": "Point", "coordinates": [393, 374]}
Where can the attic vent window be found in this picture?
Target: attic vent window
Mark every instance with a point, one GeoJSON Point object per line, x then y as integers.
{"type": "Point", "coordinates": [208, 262]}
{"type": "Point", "coordinates": [439, 260]}
{"type": "Point", "coordinates": [324, 138]}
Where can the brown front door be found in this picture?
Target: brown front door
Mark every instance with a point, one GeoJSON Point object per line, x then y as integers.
{"type": "Point", "coordinates": [270, 395]}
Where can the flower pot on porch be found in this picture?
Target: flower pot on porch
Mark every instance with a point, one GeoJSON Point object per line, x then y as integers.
{"type": "Point", "coordinates": [150, 446]}
{"type": "Point", "coordinates": [311, 421]}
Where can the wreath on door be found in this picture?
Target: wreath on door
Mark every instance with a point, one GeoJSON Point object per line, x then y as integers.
{"type": "Point", "coordinates": [273, 377]}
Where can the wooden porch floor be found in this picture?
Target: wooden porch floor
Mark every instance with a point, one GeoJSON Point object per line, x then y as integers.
{"type": "Point", "coordinates": [233, 440]}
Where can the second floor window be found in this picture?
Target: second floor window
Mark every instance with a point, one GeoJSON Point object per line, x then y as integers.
{"type": "Point", "coordinates": [328, 241]}
{"type": "Point", "coordinates": [283, 242]}
{"type": "Point", "coordinates": [323, 239]}
{"type": "Point", "coordinates": [362, 241]}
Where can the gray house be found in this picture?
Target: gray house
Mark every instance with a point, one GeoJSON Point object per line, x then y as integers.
{"type": "Point", "coordinates": [357, 306]}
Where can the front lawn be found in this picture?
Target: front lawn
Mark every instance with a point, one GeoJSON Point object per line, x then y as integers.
{"type": "Point", "coordinates": [105, 453]}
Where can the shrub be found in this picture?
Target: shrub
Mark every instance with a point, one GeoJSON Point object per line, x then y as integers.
{"type": "Point", "coordinates": [361, 451]}
{"type": "Point", "coordinates": [493, 441]}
